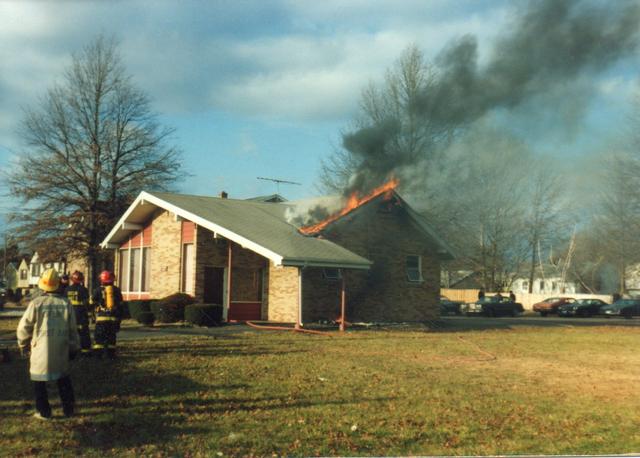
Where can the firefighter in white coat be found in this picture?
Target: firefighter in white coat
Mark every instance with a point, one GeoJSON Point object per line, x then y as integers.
{"type": "Point", "coordinates": [47, 331]}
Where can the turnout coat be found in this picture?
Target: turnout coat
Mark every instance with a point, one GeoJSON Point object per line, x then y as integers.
{"type": "Point", "coordinates": [48, 326]}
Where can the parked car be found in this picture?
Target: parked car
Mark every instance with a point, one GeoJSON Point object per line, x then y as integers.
{"type": "Point", "coordinates": [551, 305]}
{"type": "Point", "coordinates": [581, 307]}
{"type": "Point", "coordinates": [448, 307]}
{"type": "Point", "coordinates": [623, 307]}
{"type": "Point", "coordinates": [493, 306]}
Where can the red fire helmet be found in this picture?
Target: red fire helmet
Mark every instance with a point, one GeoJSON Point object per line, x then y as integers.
{"type": "Point", "coordinates": [77, 277]}
{"type": "Point", "coordinates": [106, 277]}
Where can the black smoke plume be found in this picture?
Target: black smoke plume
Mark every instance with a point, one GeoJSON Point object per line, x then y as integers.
{"type": "Point", "coordinates": [549, 44]}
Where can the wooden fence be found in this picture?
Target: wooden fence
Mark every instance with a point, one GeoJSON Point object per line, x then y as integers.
{"type": "Point", "coordinates": [527, 300]}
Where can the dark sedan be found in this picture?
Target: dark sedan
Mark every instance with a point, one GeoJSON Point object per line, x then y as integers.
{"type": "Point", "coordinates": [581, 307]}
{"type": "Point", "coordinates": [624, 307]}
{"type": "Point", "coordinates": [493, 306]}
{"type": "Point", "coordinates": [448, 307]}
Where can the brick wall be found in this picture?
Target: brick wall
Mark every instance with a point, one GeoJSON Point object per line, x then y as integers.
{"type": "Point", "coordinates": [384, 234]}
{"type": "Point", "coordinates": [210, 252]}
{"type": "Point", "coordinates": [283, 294]}
{"type": "Point", "coordinates": [165, 255]}
{"type": "Point", "coordinates": [320, 297]}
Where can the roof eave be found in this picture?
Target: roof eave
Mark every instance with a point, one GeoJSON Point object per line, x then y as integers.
{"type": "Point", "coordinates": [326, 264]}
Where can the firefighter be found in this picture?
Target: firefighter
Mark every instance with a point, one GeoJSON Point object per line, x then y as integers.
{"type": "Point", "coordinates": [64, 283]}
{"type": "Point", "coordinates": [47, 332]}
{"type": "Point", "coordinates": [78, 295]}
{"type": "Point", "coordinates": [107, 303]}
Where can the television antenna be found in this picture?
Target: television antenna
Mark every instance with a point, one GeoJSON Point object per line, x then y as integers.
{"type": "Point", "coordinates": [278, 181]}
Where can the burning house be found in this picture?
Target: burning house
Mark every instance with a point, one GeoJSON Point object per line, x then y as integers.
{"type": "Point", "coordinates": [376, 257]}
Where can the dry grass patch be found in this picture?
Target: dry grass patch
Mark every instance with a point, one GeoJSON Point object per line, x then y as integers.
{"type": "Point", "coordinates": [554, 390]}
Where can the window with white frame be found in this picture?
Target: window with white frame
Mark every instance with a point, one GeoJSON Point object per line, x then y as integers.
{"type": "Point", "coordinates": [541, 286]}
{"type": "Point", "coordinates": [525, 285]}
{"type": "Point", "coordinates": [134, 272]}
{"type": "Point", "coordinates": [188, 268]}
{"type": "Point", "coordinates": [134, 269]}
{"type": "Point", "coordinates": [123, 270]}
{"type": "Point", "coordinates": [23, 274]}
{"type": "Point", "coordinates": [331, 274]}
{"type": "Point", "coordinates": [146, 269]}
{"type": "Point", "coordinates": [414, 268]}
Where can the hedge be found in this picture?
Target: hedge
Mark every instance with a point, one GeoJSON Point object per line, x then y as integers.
{"type": "Point", "coordinates": [171, 308]}
{"type": "Point", "coordinates": [137, 307]}
{"type": "Point", "coordinates": [203, 314]}
{"type": "Point", "coordinates": [125, 310]}
{"type": "Point", "coordinates": [167, 313]}
{"type": "Point", "coordinates": [146, 318]}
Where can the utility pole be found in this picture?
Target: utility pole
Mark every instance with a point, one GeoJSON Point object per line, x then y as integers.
{"type": "Point", "coordinates": [4, 260]}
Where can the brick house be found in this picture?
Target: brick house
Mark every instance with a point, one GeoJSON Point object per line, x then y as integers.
{"type": "Point", "coordinates": [245, 255]}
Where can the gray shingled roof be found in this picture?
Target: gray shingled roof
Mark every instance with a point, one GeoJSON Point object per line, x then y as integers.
{"type": "Point", "coordinates": [263, 224]}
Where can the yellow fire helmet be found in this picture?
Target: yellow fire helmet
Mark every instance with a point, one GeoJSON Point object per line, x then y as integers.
{"type": "Point", "coordinates": [49, 280]}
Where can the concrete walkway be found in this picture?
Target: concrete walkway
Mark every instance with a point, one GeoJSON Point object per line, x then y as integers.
{"type": "Point", "coordinates": [11, 313]}
{"type": "Point", "coordinates": [130, 330]}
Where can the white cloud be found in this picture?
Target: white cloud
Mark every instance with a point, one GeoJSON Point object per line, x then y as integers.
{"type": "Point", "coordinates": [21, 20]}
{"type": "Point", "coordinates": [270, 71]}
{"type": "Point", "coordinates": [246, 146]}
{"type": "Point", "coordinates": [619, 87]}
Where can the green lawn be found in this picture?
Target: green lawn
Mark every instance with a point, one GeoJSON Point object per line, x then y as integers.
{"type": "Point", "coordinates": [562, 390]}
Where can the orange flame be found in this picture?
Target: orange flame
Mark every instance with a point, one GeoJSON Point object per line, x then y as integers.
{"type": "Point", "coordinates": [353, 202]}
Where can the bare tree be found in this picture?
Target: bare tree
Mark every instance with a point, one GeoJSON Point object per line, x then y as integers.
{"type": "Point", "coordinates": [545, 216]}
{"type": "Point", "coordinates": [618, 217]}
{"type": "Point", "coordinates": [484, 207]}
{"type": "Point", "coordinates": [93, 143]}
{"type": "Point", "coordinates": [388, 115]}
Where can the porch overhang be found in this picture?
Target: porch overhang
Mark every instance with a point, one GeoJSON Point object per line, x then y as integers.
{"type": "Point", "coordinates": [326, 265]}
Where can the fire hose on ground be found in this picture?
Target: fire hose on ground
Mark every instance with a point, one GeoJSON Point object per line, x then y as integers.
{"type": "Point", "coordinates": [286, 328]}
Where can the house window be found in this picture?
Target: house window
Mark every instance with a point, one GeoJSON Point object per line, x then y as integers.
{"type": "Point", "coordinates": [35, 270]}
{"type": "Point", "coordinates": [23, 274]}
{"type": "Point", "coordinates": [135, 270]}
{"type": "Point", "coordinates": [188, 266]}
{"type": "Point", "coordinates": [124, 270]}
{"type": "Point", "coordinates": [525, 285]}
{"type": "Point", "coordinates": [332, 274]}
{"type": "Point", "coordinates": [146, 269]}
{"type": "Point", "coordinates": [554, 286]}
{"type": "Point", "coordinates": [414, 268]}
{"type": "Point", "coordinates": [541, 285]}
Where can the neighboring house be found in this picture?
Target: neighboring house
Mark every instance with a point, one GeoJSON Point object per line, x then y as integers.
{"type": "Point", "coordinates": [11, 276]}
{"type": "Point", "coordinates": [246, 256]}
{"type": "Point", "coordinates": [462, 279]}
{"type": "Point", "coordinates": [23, 275]}
{"type": "Point", "coordinates": [273, 198]}
{"type": "Point", "coordinates": [550, 283]}
{"type": "Point", "coordinates": [37, 265]}
{"type": "Point", "coordinates": [632, 279]}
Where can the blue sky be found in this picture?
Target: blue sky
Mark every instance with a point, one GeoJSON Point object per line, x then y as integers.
{"type": "Point", "coordinates": [264, 88]}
